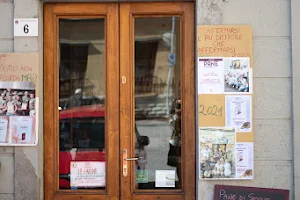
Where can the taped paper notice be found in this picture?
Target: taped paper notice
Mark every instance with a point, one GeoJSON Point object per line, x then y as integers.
{"type": "Point", "coordinates": [165, 178]}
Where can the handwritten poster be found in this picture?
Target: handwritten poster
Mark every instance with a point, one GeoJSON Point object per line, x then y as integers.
{"type": "Point", "coordinates": [211, 109]}
{"type": "Point", "coordinates": [238, 112]}
{"type": "Point", "coordinates": [244, 160]}
{"type": "Point", "coordinates": [88, 174]}
{"type": "Point", "coordinates": [19, 81]}
{"type": "Point", "coordinates": [210, 76]}
{"type": "Point", "coordinates": [224, 41]}
{"type": "Point", "coordinates": [20, 67]}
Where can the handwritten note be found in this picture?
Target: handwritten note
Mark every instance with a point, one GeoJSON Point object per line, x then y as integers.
{"type": "Point", "coordinates": [224, 41]}
{"type": "Point", "coordinates": [19, 67]}
{"type": "Point", "coordinates": [211, 110]}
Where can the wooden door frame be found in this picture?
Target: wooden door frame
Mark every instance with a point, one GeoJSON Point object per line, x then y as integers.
{"type": "Point", "coordinates": [187, 71]}
{"type": "Point", "coordinates": [51, 151]}
{"type": "Point", "coordinates": [52, 13]}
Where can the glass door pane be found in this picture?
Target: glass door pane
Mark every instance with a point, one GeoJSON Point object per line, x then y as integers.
{"type": "Point", "coordinates": [82, 104]}
{"type": "Point", "coordinates": [157, 102]}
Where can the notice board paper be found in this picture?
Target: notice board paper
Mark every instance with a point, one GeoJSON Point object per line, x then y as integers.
{"type": "Point", "coordinates": [224, 41]}
{"type": "Point", "coordinates": [210, 76]}
{"type": "Point", "coordinates": [20, 67]}
{"type": "Point", "coordinates": [211, 110]}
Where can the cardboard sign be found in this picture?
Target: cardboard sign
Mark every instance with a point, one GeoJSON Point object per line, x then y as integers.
{"type": "Point", "coordinates": [211, 110]}
{"type": "Point", "coordinates": [224, 41]}
{"type": "Point", "coordinates": [20, 67]}
{"type": "Point", "coordinates": [223, 192]}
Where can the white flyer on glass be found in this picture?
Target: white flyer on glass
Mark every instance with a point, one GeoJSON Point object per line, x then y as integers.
{"type": "Point", "coordinates": [244, 160]}
{"type": "Point", "coordinates": [87, 174]}
{"type": "Point", "coordinates": [165, 178]}
{"type": "Point", "coordinates": [239, 112]}
{"type": "Point", "coordinates": [3, 129]}
{"type": "Point", "coordinates": [210, 76]}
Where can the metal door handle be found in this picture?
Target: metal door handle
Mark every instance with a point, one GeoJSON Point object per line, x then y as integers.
{"type": "Point", "coordinates": [130, 159]}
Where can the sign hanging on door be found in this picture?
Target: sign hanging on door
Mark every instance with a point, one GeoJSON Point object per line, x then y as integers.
{"type": "Point", "coordinates": [87, 174]}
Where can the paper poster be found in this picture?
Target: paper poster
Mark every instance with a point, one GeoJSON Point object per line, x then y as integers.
{"type": "Point", "coordinates": [244, 160]}
{"type": "Point", "coordinates": [237, 75]}
{"type": "Point", "coordinates": [3, 129]}
{"type": "Point", "coordinates": [87, 174]}
{"type": "Point", "coordinates": [211, 110]}
{"type": "Point", "coordinates": [239, 112]}
{"type": "Point", "coordinates": [217, 153]}
{"type": "Point", "coordinates": [141, 176]}
{"type": "Point", "coordinates": [165, 178]}
{"type": "Point", "coordinates": [224, 40]}
{"type": "Point", "coordinates": [210, 76]}
{"type": "Point", "coordinates": [22, 129]}
{"type": "Point", "coordinates": [18, 103]}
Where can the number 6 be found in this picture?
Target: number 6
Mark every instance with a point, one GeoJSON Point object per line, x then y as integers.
{"type": "Point", "coordinates": [26, 28]}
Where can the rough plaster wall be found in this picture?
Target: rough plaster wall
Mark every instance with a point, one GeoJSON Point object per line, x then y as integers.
{"type": "Point", "coordinates": [270, 20]}
{"type": "Point", "coordinates": [19, 165]}
{"type": "Point", "coordinates": [295, 29]}
{"type": "Point", "coordinates": [26, 179]}
{"type": "Point", "coordinates": [6, 153]}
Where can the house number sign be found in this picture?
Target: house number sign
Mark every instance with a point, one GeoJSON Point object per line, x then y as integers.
{"type": "Point", "coordinates": [26, 27]}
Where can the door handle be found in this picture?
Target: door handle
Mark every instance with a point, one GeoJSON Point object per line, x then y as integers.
{"type": "Point", "coordinates": [130, 159]}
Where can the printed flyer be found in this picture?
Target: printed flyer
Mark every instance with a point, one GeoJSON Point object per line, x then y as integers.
{"type": "Point", "coordinates": [87, 174]}
{"type": "Point", "coordinates": [238, 112]}
{"type": "Point", "coordinates": [217, 153]}
{"type": "Point", "coordinates": [244, 160]}
{"type": "Point", "coordinates": [210, 76]}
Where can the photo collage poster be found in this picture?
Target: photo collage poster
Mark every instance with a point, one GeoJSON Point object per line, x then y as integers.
{"type": "Point", "coordinates": [224, 103]}
{"type": "Point", "coordinates": [229, 79]}
{"type": "Point", "coordinates": [19, 74]}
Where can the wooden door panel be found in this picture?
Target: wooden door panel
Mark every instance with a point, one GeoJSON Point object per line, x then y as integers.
{"type": "Point", "coordinates": [52, 14]}
{"type": "Point", "coordinates": [128, 12]}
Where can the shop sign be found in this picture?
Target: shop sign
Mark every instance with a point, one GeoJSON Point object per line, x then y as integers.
{"type": "Point", "coordinates": [223, 192]}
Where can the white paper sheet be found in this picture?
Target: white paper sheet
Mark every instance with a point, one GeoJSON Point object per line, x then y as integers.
{"type": "Point", "coordinates": [210, 76]}
{"type": "Point", "coordinates": [165, 178]}
{"type": "Point", "coordinates": [244, 160]}
{"type": "Point", "coordinates": [239, 112]}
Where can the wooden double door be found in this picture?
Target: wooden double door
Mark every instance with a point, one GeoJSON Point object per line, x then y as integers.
{"type": "Point", "coordinates": [119, 104]}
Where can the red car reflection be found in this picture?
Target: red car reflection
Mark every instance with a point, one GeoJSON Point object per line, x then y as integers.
{"type": "Point", "coordinates": [82, 132]}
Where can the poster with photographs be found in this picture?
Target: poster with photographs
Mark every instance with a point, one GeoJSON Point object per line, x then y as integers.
{"type": "Point", "coordinates": [217, 153]}
{"type": "Point", "coordinates": [237, 75]}
{"type": "Point", "coordinates": [18, 113]}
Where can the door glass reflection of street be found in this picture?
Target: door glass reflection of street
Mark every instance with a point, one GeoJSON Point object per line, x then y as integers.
{"type": "Point", "coordinates": [157, 103]}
